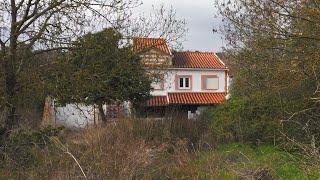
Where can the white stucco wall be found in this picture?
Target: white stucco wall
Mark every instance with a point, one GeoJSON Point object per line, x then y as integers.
{"type": "Point", "coordinates": [75, 115]}
{"type": "Point", "coordinates": [169, 80]}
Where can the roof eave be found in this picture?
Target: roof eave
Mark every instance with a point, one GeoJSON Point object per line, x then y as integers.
{"type": "Point", "coordinates": [199, 69]}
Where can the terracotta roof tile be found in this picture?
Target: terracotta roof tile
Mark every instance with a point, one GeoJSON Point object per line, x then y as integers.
{"type": "Point", "coordinates": [206, 60]}
{"type": "Point", "coordinates": [141, 44]}
{"type": "Point", "coordinates": [196, 98]}
{"type": "Point", "coordinates": [157, 101]}
{"type": "Point", "coordinates": [187, 99]}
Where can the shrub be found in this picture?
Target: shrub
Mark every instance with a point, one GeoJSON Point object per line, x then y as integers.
{"type": "Point", "coordinates": [238, 120]}
{"type": "Point", "coordinates": [18, 148]}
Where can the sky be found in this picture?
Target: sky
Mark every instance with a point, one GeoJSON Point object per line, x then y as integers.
{"type": "Point", "coordinates": [199, 15]}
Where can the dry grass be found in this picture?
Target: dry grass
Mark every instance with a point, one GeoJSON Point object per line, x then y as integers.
{"type": "Point", "coordinates": [136, 149]}
{"type": "Point", "coordinates": [125, 149]}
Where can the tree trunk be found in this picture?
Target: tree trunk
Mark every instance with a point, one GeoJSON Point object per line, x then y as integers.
{"type": "Point", "coordinates": [10, 92]}
{"type": "Point", "coordinates": [102, 114]}
{"type": "Point", "coordinates": [10, 72]}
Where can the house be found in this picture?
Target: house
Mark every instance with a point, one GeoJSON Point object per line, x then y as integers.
{"type": "Point", "coordinates": [187, 81]}
{"type": "Point", "coordinates": [184, 83]}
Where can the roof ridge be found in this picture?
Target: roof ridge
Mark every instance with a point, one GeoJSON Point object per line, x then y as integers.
{"type": "Point", "coordinates": [143, 43]}
{"type": "Point", "coordinates": [196, 92]}
{"type": "Point", "coordinates": [208, 52]}
{"type": "Point", "coordinates": [150, 38]}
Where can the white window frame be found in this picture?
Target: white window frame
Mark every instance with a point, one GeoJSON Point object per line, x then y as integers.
{"type": "Point", "coordinates": [184, 79]}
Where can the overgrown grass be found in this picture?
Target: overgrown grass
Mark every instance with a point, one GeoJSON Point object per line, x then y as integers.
{"type": "Point", "coordinates": [139, 149]}
{"type": "Point", "coordinates": [265, 161]}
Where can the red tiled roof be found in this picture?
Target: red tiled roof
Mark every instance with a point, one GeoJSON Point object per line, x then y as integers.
{"type": "Point", "coordinates": [196, 98]}
{"type": "Point", "coordinates": [187, 99]}
{"type": "Point", "coordinates": [141, 44]}
{"type": "Point", "coordinates": [157, 101]}
{"type": "Point", "coordinates": [197, 60]}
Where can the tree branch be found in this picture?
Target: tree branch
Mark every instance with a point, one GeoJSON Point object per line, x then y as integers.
{"type": "Point", "coordinates": [43, 12]}
{"type": "Point", "coordinates": [20, 4]}
{"type": "Point", "coordinates": [26, 13]}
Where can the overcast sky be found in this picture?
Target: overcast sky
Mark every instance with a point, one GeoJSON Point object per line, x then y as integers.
{"type": "Point", "coordinates": [199, 15]}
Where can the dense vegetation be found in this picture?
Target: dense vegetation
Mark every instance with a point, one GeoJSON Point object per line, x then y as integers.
{"type": "Point", "coordinates": [34, 35]}
{"type": "Point", "coordinates": [274, 50]}
{"type": "Point", "coordinates": [269, 129]}
{"type": "Point", "coordinates": [137, 149]}
{"type": "Point", "coordinates": [98, 71]}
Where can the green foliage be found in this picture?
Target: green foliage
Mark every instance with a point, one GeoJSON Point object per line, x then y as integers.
{"type": "Point", "coordinates": [21, 146]}
{"type": "Point", "coordinates": [274, 49]}
{"type": "Point", "coordinates": [226, 119]}
{"type": "Point", "coordinates": [249, 159]}
{"type": "Point", "coordinates": [99, 70]}
{"type": "Point", "coordinates": [29, 80]}
{"type": "Point", "coordinates": [241, 121]}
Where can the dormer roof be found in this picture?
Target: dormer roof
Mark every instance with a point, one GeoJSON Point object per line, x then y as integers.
{"type": "Point", "coordinates": [200, 60]}
{"type": "Point", "coordinates": [141, 44]}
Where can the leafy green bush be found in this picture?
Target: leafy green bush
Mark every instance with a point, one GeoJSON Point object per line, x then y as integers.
{"type": "Point", "coordinates": [238, 120]}
{"type": "Point", "coordinates": [18, 148]}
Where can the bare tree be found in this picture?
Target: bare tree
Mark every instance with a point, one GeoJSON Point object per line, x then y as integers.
{"type": "Point", "coordinates": [275, 44]}
{"type": "Point", "coordinates": [161, 23]}
{"type": "Point", "coordinates": [39, 27]}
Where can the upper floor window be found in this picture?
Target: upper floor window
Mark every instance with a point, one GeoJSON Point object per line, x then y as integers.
{"type": "Point", "coordinates": [183, 82]}
{"type": "Point", "coordinates": [210, 82]}
{"type": "Point", "coordinates": [158, 83]}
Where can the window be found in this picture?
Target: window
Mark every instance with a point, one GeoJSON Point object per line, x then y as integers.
{"type": "Point", "coordinates": [183, 82]}
{"type": "Point", "coordinates": [210, 82]}
{"type": "Point", "coordinates": [158, 83]}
